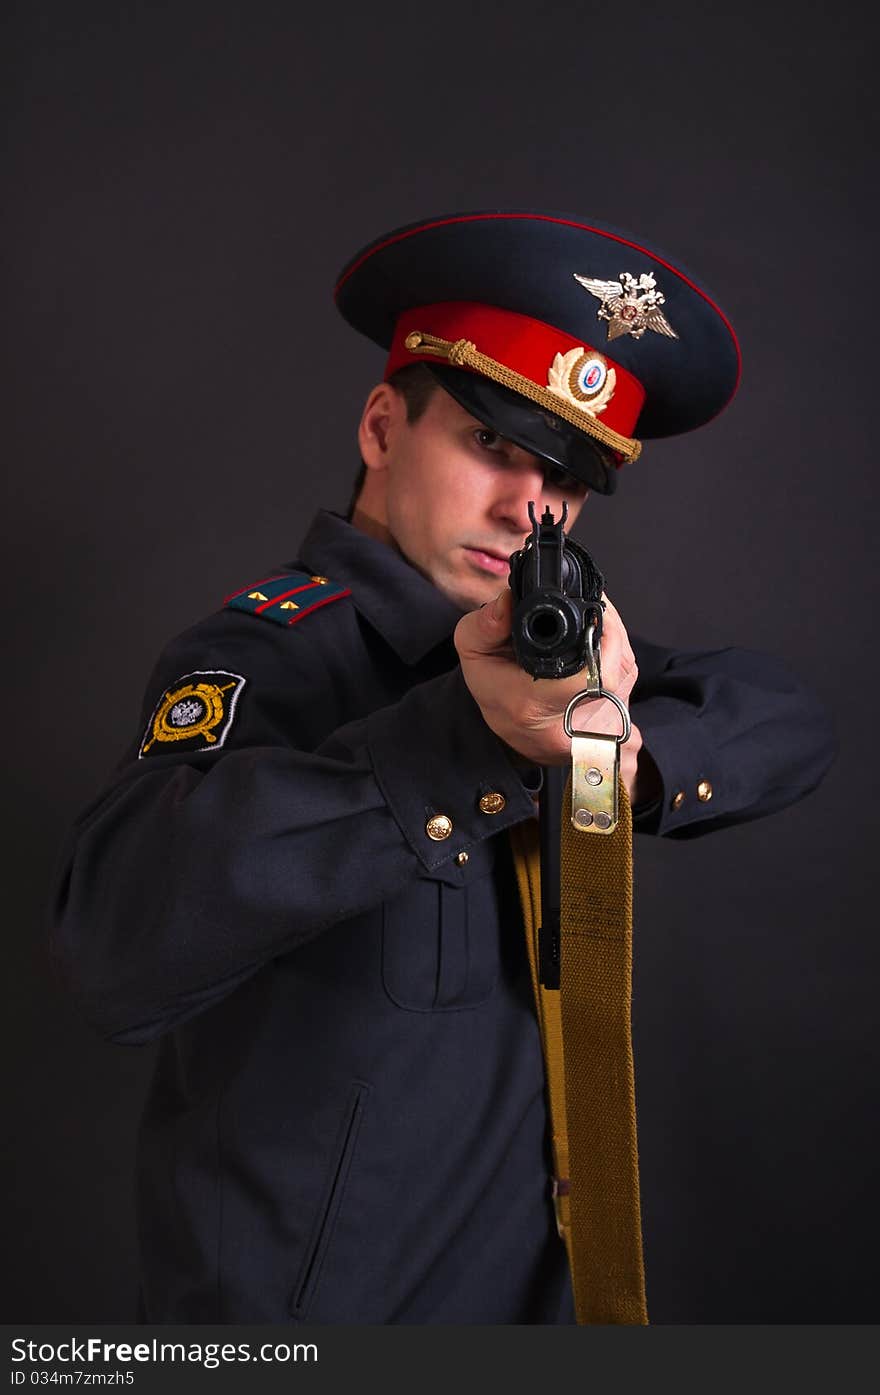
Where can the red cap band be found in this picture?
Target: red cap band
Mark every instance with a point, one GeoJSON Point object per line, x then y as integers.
{"type": "Point", "coordinates": [526, 346]}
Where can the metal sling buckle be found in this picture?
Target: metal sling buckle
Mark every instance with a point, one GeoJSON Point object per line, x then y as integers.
{"type": "Point", "coordinates": [595, 767]}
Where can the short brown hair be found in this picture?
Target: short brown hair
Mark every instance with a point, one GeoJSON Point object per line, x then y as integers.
{"type": "Point", "coordinates": [416, 384]}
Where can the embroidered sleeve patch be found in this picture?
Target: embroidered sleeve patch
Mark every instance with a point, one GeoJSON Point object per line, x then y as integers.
{"type": "Point", "coordinates": [195, 714]}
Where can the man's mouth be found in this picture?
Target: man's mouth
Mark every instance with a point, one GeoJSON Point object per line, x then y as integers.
{"type": "Point", "coordinates": [489, 560]}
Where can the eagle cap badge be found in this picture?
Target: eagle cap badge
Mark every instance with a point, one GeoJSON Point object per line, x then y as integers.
{"type": "Point", "coordinates": [630, 305]}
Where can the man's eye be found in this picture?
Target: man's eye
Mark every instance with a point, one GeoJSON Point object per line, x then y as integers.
{"type": "Point", "coordinates": [489, 440]}
{"type": "Point", "coordinates": [560, 479]}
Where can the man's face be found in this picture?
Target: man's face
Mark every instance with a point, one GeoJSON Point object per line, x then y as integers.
{"type": "Point", "coordinates": [452, 494]}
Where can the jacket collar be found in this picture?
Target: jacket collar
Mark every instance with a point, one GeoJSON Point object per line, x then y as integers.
{"type": "Point", "coordinates": [402, 605]}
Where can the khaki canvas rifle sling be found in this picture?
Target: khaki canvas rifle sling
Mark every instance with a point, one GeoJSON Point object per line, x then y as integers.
{"type": "Point", "coordinates": [585, 1021]}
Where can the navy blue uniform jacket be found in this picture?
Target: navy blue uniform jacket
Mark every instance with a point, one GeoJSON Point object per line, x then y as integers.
{"type": "Point", "coordinates": [347, 1120]}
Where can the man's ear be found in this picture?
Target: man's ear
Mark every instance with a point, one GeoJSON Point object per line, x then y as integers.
{"type": "Point", "coordinates": [384, 410]}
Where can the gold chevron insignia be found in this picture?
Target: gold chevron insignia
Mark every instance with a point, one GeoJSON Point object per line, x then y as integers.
{"type": "Point", "coordinates": [288, 605]}
{"type": "Point", "coordinates": [257, 596]}
{"type": "Point", "coordinates": [320, 581]}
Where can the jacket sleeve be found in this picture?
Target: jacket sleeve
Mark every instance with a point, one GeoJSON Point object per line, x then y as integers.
{"type": "Point", "coordinates": [192, 871]}
{"type": "Point", "coordinates": [733, 733]}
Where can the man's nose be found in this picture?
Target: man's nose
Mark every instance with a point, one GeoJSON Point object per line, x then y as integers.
{"type": "Point", "coordinates": [516, 489]}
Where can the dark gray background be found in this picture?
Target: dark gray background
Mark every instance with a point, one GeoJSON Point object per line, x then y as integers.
{"type": "Point", "coordinates": [183, 185]}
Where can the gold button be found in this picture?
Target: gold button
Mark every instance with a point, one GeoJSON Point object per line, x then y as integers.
{"type": "Point", "coordinates": [677, 799]}
{"type": "Point", "coordinates": [704, 791]}
{"type": "Point", "coordinates": [492, 803]}
{"type": "Point", "coordinates": [438, 827]}
{"type": "Point", "coordinates": [462, 858]}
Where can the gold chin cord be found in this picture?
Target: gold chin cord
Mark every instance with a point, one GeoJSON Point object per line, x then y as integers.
{"type": "Point", "coordinates": [586, 1031]}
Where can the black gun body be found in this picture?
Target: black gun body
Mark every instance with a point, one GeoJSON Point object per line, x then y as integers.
{"type": "Point", "coordinates": [557, 592]}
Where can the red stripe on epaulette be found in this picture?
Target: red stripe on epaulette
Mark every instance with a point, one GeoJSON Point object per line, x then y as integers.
{"type": "Point", "coordinates": [307, 586]}
{"type": "Point", "coordinates": [317, 606]}
{"type": "Point", "coordinates": [252, 585]}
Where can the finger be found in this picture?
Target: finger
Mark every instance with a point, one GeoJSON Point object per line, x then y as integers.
{"type": "Point", "coordinates": [617, 654]}
{"type": "Point", "coordinates": [496, 619]}
{"type": "Point", "coordinates": [611, 643]}
{"type": "Point", "coordinates": [486, 630]}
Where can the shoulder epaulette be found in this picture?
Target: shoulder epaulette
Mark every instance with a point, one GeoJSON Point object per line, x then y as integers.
{"type": "Point", "coordinates": [286, 597]}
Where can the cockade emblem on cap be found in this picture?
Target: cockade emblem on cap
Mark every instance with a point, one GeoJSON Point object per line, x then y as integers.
{"type": "Point", "coordinates": [583, 377]}
{"type": "Point", "coordinates": [630, 305]}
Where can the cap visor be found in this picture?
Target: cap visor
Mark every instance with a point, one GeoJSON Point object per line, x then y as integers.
{"type": "Point", "coordinates": [530, 427]}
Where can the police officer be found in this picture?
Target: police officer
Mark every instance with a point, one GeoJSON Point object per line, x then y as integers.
{"type": "Point", "coordinates": [299, 880]}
